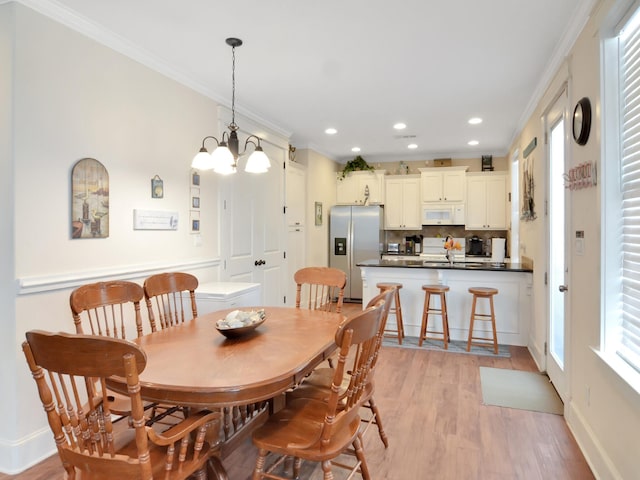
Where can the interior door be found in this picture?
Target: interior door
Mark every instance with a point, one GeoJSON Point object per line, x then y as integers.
{"type": "Point", "coordinates": [254, 229]}
{"type": "Point", "coordinates": [558, 227]}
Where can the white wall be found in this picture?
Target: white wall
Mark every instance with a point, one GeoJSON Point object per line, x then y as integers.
{"type": "Point", "coordinates": [607, 421]}
{"type": "Point", "coordinates": [74, 98]}
{"type": "Point", "coordinates": [321, 187]}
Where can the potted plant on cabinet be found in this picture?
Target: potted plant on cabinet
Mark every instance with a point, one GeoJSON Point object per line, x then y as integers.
{"type": "Point", "coordinates": [358, 164]}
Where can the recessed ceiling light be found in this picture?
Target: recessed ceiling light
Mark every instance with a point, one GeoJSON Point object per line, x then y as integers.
{"type": "Point", "coordinates": [475, 120]}
{"type": "Point", "coordinates": [355, 149]}
{"type": "Point", "coordinates": [412, 146]}
{"type": "Point", "coordinates": [473, 142]}
{"type": "Point", "coordinates": [400, 126]}
{"type": "Point", "coordinates": [331, 131]}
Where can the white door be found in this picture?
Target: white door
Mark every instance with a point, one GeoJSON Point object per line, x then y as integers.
{"type": "Point", "coordinates": [558, 228]}
{"type": "Point", "coordinates": [253, 227]}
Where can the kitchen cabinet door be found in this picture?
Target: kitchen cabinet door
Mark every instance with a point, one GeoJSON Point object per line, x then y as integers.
{"type": "Point", "coordinates": [486, 202]}
{"type": "Point", "coordinates": [402, 205]}
{"type": "Point", "coordinates": [443, 184]}
{"type": "Point", "coordinates": [352, 190]}
{"type": "Point", "coordinates": [295, 191]}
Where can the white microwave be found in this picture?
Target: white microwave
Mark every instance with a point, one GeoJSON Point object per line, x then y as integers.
{"type": "Point", "coordinates": [443, 215]}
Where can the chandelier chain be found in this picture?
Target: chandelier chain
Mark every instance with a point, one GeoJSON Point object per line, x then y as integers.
{"type": "Point", "coordinates": [233, 86]}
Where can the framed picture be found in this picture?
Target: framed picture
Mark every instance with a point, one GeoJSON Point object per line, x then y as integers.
{"type": "Point", "coordinates": [195, 202]}
{"type": "Point", "coordinates": [195, 179]}
{"type": "Point", "coordinates": [318, 214]}
{"type": "Point", "coordinates": [89, 199]}
{"type": "Point", "coordinates": [157, 187]}
{"type": "Point", "coordinates": [194, 218]}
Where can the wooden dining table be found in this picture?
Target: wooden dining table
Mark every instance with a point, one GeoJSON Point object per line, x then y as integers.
{"type": "Point", "coordinates": [194, 365]}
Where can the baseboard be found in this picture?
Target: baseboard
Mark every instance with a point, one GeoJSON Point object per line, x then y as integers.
{"type": "Point", "coordinates": [18, 456]}
{"type": "Point", "coordinates": [596, 457]}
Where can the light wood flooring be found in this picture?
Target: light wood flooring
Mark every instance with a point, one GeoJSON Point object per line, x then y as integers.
{"type": "Point", "coordinates": [438, 428]}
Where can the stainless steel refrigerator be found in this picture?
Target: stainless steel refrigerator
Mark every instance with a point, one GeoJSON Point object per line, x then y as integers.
{"type": "Point", "coordinates": [355, 235]}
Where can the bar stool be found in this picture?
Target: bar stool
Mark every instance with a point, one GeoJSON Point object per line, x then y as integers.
{"type": "Point", "coordinates": [439, 290]}
{"type": "Point", "coordinates": [488, 293]}
{"type": "Point", "coordinates": [395, 309]}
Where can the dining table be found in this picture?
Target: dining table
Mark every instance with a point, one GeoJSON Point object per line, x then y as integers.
{"type": "Point", "coordinates": [194, 365]}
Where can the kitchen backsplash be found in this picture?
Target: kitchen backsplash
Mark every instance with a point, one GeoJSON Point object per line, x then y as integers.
{"type": "Point", "coordinates": [458, 231]}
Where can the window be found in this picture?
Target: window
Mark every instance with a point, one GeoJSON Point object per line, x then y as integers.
{"type": "Point", "coordinates": [621, 232]}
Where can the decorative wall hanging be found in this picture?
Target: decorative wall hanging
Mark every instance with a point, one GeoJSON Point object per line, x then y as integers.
{"type": "Point", "coordinates": [154, 220]}
{"type": "Point", "coordinates": [318, 214]}
{"type": "Point", "coordinates": [157, 187]}
{"type": "Point", "coordinates": [195, 221]}
{"type": "Point", "coordinates": [581, 176]}
{"type": "Point", "coordinates": [528, 206]}
{"type": "Point", "coordinates": [582, 121]}
{"type": "Point", "coordinates": [194, 205]}
{"type": "Point", "coordinates": [89, 199]}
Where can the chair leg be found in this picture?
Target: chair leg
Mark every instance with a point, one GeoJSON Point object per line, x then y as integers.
{"type": "Point", "coordinates": [357, 447]}
{"type": "Point", "coordinates": [260, 461]}
{"type": "Point", "coordinates": [376, 415]}
{"type": "Point", "coordinates": [425, 317]}
{"type": "Point", "coordinates": [326, 468]}
{"type": "Point", "coordinates": [493, 325]}
{"type": "Point", "coordinates": [473, 313]}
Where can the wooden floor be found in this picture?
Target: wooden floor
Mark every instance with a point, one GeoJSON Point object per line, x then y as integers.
{"type": "Point", "coordinates": [438, 428]}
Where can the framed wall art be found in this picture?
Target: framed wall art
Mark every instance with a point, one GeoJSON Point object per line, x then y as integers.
{"type": "Point", "coordinates": [318, 213]}
{"type": "Point", "coordinates": [89, 199]}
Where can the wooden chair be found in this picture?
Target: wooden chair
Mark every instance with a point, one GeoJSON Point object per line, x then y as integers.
{"type": "Point", "coordinates": [109, 309]}
{"type": "Point", "coordinates": [164, 295]}
{"type": "Point", "coordinates": [90, 446]}
{"type": "Point", "coordinates": [320, 430]}
{"type": "Point", "coordinates": [318, 384]}
{"type": "Point", "coordinates": [320, 288]}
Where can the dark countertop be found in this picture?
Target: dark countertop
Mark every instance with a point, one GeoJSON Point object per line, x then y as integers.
{"type": "Point", "coordinates": [468, 265]}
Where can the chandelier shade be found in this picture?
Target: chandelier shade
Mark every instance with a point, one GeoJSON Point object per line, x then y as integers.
{"type": "Point", "coordinates": [224, 158]}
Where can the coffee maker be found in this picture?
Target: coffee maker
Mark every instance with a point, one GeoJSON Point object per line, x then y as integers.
{"type": "Point", "coordinates": [409, 245]}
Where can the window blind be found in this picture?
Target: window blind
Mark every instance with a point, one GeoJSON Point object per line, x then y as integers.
{"type": "Point", "coordinates": [628, 346]}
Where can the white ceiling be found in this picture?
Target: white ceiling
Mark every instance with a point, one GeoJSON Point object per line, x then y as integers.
{"type": "Point", "coordinates": [357, 65]}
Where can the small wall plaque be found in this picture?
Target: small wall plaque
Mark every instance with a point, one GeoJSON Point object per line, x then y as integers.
{"type": "Point", "coordinates": [154, 220]}
{"type": "Point", "coordinates": [157, 187]}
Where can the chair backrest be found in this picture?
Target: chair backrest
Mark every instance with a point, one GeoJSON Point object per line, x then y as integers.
{"type": "Point", "coordinates": [65, 368]}
{"type": "Point", "coordinates": [322, 288]}
{"type": "Point", "coordinates": [106, 308]}
{"type": "Point", "coordinates": [164, 295]}
{"type": "Point", "coordinates": [360, 331]}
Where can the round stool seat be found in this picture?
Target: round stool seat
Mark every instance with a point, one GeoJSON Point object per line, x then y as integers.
{"type": "Point", "coordinates": [388, 285]}
{"type": "Point", "coordinates": [483, 291]}
{"type": "Point", "coordinates": [435, 288]}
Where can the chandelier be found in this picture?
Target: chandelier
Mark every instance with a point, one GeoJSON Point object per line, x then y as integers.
{"type": "Point", "coordinates": [224, 159]}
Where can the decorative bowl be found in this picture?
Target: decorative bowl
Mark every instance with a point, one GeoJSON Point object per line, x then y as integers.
{"type": "Point", "coordinates": [239, 323]}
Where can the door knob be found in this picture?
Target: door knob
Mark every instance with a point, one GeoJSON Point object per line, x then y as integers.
{"type": "Point", "coordinates": [563, 288]}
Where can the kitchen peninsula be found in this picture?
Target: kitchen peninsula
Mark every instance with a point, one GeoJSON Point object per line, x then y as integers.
{"type": "Point", "coordinates": [512, 305]}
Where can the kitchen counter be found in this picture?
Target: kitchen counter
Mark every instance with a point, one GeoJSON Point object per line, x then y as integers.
{"type": "Point", "coordinates": [404, 262]}
{"type": "Point", "coordinates": [513, 303]}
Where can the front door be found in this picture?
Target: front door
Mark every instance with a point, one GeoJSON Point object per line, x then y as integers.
{"type": "Point", "coordinates": [558, 228]}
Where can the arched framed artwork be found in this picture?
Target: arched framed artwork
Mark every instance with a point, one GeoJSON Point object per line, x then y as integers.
{"type": "Point", "coordinates": [89, 199]}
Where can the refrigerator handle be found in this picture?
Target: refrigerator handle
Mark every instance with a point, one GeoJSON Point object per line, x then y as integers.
{"type": "Point", "coordinates": [350, 242]}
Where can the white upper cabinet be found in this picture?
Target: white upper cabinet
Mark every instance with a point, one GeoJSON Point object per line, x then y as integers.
{"type": "Point", "coordinates": [296, 203]}
{"type": "Point", "coordinates": [402, 207]}
{"type": "Point", "coordinates": [486, 201]}
{"type": "Point", "coordinates": [443, 184]}
{"type": "Point", "coordinates": [353, 189]}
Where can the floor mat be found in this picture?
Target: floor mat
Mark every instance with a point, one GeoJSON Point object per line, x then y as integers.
{"type": "Point", "coordinates": [519, 389]}
{"type": "Point", "coordinates": [455, 346]}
